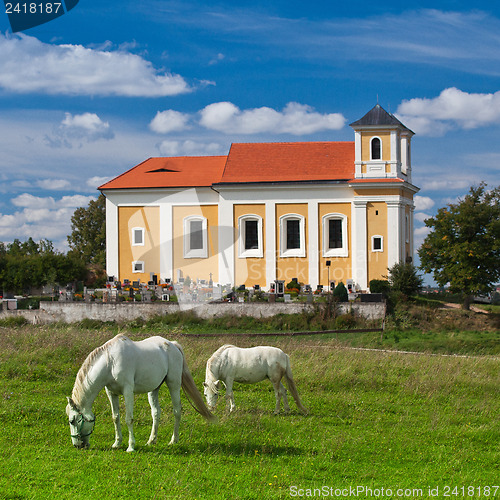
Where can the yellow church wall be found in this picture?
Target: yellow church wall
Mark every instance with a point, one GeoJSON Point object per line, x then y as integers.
{"type": "Point", "coordinates": [249, 271]}
{"type": "Point", "coordinates": [378, 192]}
{"type": "Point", "coordinates": [405, 193]}
{"type": "Point", "coordinates": [376, 216]}
{"type": "Point", "coordinates": [196, 268]}
{"type": "Point", "coordinates": [384, 136]}
{"type": "Point", "coordinates": [149, 253]}
{"type": "Point", "coordinates": [341, 267]}
{"type": "Point", "coordinates": [288, 268]}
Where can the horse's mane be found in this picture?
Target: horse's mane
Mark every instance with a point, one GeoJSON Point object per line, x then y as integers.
{"type": "Point", "coordinates": [214, 358]}
{"type": "Point", "coordinates": [81, 377]}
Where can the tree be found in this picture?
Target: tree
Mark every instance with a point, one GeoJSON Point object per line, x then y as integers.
{"type": "Point", "coordinates": [340, 293]}
{"type": "Point", "coordinates": [463, 247]}
{"type": "Point", "coordinates": [88, 237]}
{"type": "Point", "coordinates": [27, 265]}
{"type": "Point", "coordinates": [403, 278]}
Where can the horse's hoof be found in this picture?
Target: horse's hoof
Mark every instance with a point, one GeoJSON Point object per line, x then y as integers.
{"type": "Point", "coordinates": [116, 445]}
{"type": "Point", "coordinates": [130, 450]}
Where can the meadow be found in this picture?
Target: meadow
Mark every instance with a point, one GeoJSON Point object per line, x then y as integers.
{"type": "Point", "coordinates": [409, 424]}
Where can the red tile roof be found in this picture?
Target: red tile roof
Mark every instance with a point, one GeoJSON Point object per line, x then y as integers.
{"type": "Point", "coordinates": [289, 161]}
{"type": "Point", "coordinates": [183, 171]}
{"type": "Point", "coordinates": [252, 162]}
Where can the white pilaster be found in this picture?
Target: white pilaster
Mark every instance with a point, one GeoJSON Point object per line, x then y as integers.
{"type": "Point", "coordinates": [357, 155]}
{"type": "Point", "coordinates": [166, 241]}
{"type": "Point", "coordinates": [359, 245]}
{"type": "Point", "coordinates": [227, 246]}
{"type": "Point", "coordinates": [411, 221]}
{"type": "Point", "coordinates": [313, 237]}
{"type": "Point", "coordinates": [270, 238]}
{"type": "Point", "coordinates": [395, 234]}
{"type": "Point", "coordinates": [112, 264]}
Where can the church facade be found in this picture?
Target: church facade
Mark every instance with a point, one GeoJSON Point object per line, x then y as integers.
{"type": "Point", "coordinates": [320, 212]}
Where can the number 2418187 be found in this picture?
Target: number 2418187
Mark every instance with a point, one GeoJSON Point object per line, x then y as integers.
{"type": "Point", "coordinates": [32, 8]}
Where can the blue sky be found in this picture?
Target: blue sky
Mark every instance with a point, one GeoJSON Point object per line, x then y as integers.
{"type": "Point", "coordinates": [91, 94]}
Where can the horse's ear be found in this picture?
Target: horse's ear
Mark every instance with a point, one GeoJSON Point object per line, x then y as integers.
{"type": "Point", "coordinates": [72, 404]}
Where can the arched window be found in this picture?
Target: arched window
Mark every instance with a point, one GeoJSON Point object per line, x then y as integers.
{"type": "Point", "coordinates": [250, 236]}
{"type": "Point", "coordinates": [376, 148]}
{"type": "Point", "coordinates": [195, 237]}
{"type": "Point", "coordinates": [335, 235]}
{"type": "Point", "coordinates": [292, 236]}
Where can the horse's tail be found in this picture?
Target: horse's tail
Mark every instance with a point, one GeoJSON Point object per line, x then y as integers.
{"type": "Point", "coordinates": [292, 387]}
{"type": "Point", "coordinates": [191, 391]}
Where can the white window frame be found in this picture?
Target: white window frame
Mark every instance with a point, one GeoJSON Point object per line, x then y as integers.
{"type": "Point", "coordinates": [371, 149]}
{"type": "Point", "coordinates": [134, 240]}
{"type": "Point", "coordinates": [381, 249]}
{"type": "Point", "coordinates": [254, 252]}
{"type": "Point", "coordinates": [342, 251]}
{"type": "Point", "coordinates": [195, 253]}
{"type": "Point", "coordinates": [292, 252]}
{"type": "Point", "coordinates": [140, 263]}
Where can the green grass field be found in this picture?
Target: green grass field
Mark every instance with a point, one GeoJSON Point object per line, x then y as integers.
{"type": "Point", "coordinates": [377, 420]}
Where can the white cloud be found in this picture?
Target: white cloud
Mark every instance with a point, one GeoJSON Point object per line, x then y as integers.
{"type": "Point", "coordinates": [446, 184]}
{"type": "Point", "coordinates": [95, 182]}
{"type": "Point", "coordinates": [453, 108]}
{"type": "Point", "coordinates": [217, 59]}
{"type": "Point", "coordinates": [421, 216]}
{"type": "Point", "coordinates": [27, 200]}
{"type": "Point", "coordinates": [423, 202]}
{"type": "Point", "coordinates": [74, 130]}
{"type": "Point", "coordinates": [169, 121]}
{"type": "Point", "coordinates": [419, 236]}
{"type": "Point", "coordinates": [190, 148]}
{"type": "Point", "coordinates": [31, 66]}
{"type": "Point", "coordinates": [295, 118]}
{"type": "Point", "coordinates": [41, 217]}
{"type": "Point", "coordinates": [54, 184]}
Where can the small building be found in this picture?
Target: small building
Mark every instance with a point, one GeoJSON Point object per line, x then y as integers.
{"type": "Point", "coordinates": [314, 211]}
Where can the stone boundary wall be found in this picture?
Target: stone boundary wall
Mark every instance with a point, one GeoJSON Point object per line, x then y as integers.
{"type": "Point", "coordinates": [73, 312]}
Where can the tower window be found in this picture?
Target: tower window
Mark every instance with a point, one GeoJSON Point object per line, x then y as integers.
{"type": "Point", "coordinates": [376, 148]}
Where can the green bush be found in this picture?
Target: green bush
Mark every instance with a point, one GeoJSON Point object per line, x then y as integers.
{"type": "Point", "coordinates": [379, 286]}
{"type": "Point", "coordinates": [293, 284]}
{"type": "Point", "coordinates": [340, 293]}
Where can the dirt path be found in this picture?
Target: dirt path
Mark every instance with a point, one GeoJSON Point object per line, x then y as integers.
{"type": "Point", "coordinates": [458, 306]}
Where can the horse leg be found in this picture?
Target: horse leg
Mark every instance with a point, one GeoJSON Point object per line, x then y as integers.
{"type": "Point", "coordinates": [154, 402]}
{"type": "Point", "coordinates": [128, 395]}
{"type": "Point", "coordinates": [230, 395]}
{"type": "Point", "coordinates": [115, 411]}
{"type": "Point", "coordinates": [286, 406]}
{"type": "Point", "coordinates": [175, 394]}
{"type": "Point", "coordinates": [279, 392]}
{"type": "Point", "coordinates": [277, 395]}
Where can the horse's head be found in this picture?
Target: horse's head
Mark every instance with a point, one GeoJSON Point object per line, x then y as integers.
{"type": "Point", "coordinates": [81, 424]}
{"type": "Point", "coordinates": [211, 392]}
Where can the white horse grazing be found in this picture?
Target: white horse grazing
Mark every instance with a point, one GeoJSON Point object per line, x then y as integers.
{"type": "Point", "coordinates": [233, 364]}
{"type": "Point", "coordinates": [126, 368]}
